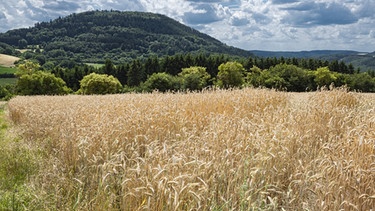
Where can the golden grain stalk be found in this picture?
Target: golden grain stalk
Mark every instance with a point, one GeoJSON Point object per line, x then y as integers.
{"type": "Point", "coordinates": [216, 150]}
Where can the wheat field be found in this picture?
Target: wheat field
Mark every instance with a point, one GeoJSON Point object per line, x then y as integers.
{"type": "Point", "coordinates": [7, 60]}
{"type": "Point", "coordinates": [248, 149]}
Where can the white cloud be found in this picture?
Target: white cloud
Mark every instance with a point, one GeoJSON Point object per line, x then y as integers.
{"type": "Point", "coordinates": [249, 24]}
{"type": "Point", "coordinates": [172, 8]}
{"type": "Point", "coordinates": [371, 35]}
{"type": "Point", "coordinates": [309, 14]}
{"type": "Point", "coordinates": [239, 18]}
{"type": "Point", "coordinates": [202, 14]}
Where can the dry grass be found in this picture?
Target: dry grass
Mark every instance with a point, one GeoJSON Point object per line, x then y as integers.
{"type": "Point", "coordinates": [7, 60]}
{"type": "Point", "coordinates": [244, 149]}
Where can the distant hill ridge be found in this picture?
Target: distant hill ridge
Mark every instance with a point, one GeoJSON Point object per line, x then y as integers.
{"type": "Point", "coordinates": [304, 54]}
{"type": "Point", "coordinates": [363, 60]}
{"type": "Point", "coordinates": [95, 35]}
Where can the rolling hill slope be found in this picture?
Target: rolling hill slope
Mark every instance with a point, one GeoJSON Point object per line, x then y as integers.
{"type": "Point", "coordinates": [96, 35]}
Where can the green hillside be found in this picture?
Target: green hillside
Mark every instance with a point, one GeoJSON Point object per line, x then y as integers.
{"type": "Point", "coordinates": [364, 61]}
{"type": "Point", "coordinates": [96, 35]}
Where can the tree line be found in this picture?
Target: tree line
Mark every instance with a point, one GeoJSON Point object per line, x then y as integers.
{"type": "Point", "coordinates": [137, 71]}
{"type": "Point", "coordinates": [189, 73]}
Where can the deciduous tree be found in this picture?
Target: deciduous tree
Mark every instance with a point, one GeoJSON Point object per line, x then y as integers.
{"type": "Point", "coordinates": [99, 84]}
{"type": "Point", "coordinates": [41, 83]}
{"type": "Point", "coordinates": [162, 82]}
{"type": "Point", "coordinates": [194, 78]}
{"type": "Point", "coordinates": [27, 68]}
{"type": "Point", "coordinates": [230, 75]}
{"type": "Point", "coordinates": [324, 77]}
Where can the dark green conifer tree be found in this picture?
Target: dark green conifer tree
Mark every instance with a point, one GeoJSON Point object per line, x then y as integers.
{"type": "Point", "coordinates": [136, 73]}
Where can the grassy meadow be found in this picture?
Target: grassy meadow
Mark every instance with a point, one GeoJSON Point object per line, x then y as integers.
{"type": "Point", "coordinates": [248, 149]}
{"type": "Point", "coordinates": [7, 70]}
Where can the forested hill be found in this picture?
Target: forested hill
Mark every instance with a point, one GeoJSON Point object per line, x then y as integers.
{"type": "Point", "coordinates": [96, 35]}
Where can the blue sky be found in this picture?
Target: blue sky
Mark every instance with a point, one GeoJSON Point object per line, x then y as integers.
{"type": "Point", "coordinates": [275, 25]}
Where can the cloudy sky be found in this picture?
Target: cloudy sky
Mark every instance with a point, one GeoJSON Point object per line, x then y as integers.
{"type": "Point", "coordinates": [276, 25]}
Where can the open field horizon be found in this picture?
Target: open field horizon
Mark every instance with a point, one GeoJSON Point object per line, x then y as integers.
{"type": "Point", "coordinates": [216, 150]}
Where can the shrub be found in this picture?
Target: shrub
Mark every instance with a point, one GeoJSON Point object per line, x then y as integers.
{"type": "Point", "coordinates": [194, 78]}
{"type": "Point", "coordinates": [99, 84]}
{"type": "Point", "coordinates": [41, 83]}
{"type": "Point", "coordinates": [161, 82]}
{"type": "Point", "coordinates": [6, 92]}
{"type": "Point", "coordinates": [324, 77]}
{"type": "Point", "coordinates": [361, 81]}
{"type": "Point", "coordinates": [230, 75]}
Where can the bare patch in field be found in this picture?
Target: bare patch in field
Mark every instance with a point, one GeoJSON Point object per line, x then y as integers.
{"type": "Point", "coordinates": [7, 60]}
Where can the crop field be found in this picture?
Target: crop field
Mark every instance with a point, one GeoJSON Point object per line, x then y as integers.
{"type": "Point", "coordinates": [248, 149]}
{"type": "Point", "coordinates": [7, 60]}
